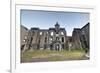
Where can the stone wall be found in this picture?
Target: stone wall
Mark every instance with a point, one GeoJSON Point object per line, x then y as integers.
{"type": "Point", "coordinates": [76, 38]}
{"type": "Point", "coordinates": [80, 37]}
{"type": "Point", "coordinates": [51, 39]}
{"type": "Point", "coordinates": [55, 38]}
{"type": "Point", "coordinates": [23, 34]}
{"type": "Point", "coordinates": [85, 36]}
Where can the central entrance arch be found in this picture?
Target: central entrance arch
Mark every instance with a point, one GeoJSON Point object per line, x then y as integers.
{"type": "Point", "coordinates": [57, 46]}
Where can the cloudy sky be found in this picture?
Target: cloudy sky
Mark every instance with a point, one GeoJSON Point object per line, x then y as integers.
{"type": "Point", "coordinates": [47, 19]}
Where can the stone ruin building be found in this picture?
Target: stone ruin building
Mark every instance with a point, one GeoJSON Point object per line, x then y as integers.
{"type": "Point", "coordinates": [54, 38]}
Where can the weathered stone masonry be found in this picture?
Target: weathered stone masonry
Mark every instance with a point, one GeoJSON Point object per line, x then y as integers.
{"type": "Point", "coordinates": [54, 38]}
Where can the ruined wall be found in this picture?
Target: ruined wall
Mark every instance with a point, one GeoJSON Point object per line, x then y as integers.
{"type": "Point", "coordinates": [43, 39]}
{"type": "Point", "coordinates": [80, 37]}
{"type": "Point", "coordinates": [55, 38]}
{"type": "Point", "coordinates": [85, 36]}
{"type": "Point", "coordinates": [24, 32]}
{"type": "Point", "coordinates": [76, 38]}
{"type": "Point", "coordinates": [34, 38]}
{"type": "Point", "coordinates": [52, 38]}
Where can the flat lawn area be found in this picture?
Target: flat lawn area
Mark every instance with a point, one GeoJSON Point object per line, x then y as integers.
{"type": "Point", "coordinates": [49, 55]}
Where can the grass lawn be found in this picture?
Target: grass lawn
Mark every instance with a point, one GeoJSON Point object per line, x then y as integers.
{"type": "Point", "coordinates": [48, 55]}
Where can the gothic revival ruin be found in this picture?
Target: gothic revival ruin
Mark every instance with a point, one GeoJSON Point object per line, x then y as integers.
{"type": "Point", "coordinates": [80, 37]}
{"type": "Point", "coordinates": [54, 38]}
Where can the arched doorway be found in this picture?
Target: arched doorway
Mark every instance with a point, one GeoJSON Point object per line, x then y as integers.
{"type": "Point", "coordinates": [57, 46]}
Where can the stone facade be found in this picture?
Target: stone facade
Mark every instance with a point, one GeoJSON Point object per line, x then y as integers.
{"type": "Point", "coordinates": [85, 36]}
{"type": "Point", "coordinates": [24, 32]}
{"type": "Point", "coordinates": [76, 38]}
{"type": "Point", "coordinates": [80, 37]}
{"type": "Point", "coordinates": [55, 38]}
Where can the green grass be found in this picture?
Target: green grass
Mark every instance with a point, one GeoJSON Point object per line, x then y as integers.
{"type": "Point", "coordinates": [48, 55]}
